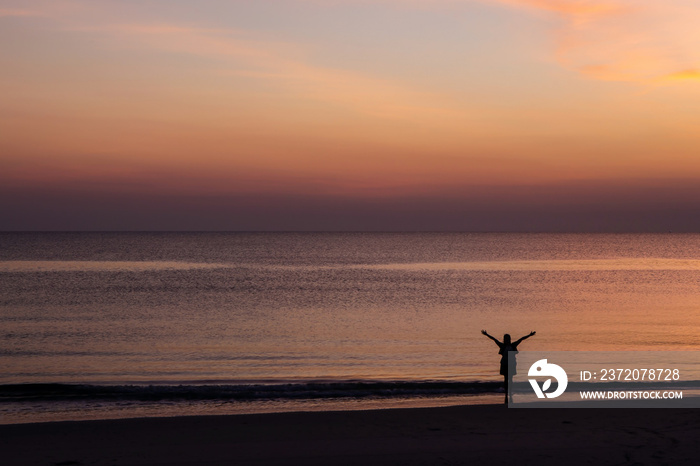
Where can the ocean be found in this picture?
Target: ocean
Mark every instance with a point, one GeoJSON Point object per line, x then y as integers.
{"type": "Point", "coordinates": [107, 325]}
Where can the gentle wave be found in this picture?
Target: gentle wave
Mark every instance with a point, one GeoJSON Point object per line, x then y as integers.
{"type": "Point", "coordinates": [574, 265]}
{"type": "Point", "coordinates": [547, 265]}
{"type": "Point", "coordinates": [103, 266]}
{"type": "Point", "coordinates": [82, 392]}
{"type": "Point", "coordinates": [520, 265]}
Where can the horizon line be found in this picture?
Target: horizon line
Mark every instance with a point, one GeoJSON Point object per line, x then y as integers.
{"type": "Point", "coordinates": [604, 232]}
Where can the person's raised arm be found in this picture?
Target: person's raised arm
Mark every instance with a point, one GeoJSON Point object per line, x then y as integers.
{"type": "Point", "coordinates": [494, 339]}
{"type": "Point", "coordinates": [524, 338]}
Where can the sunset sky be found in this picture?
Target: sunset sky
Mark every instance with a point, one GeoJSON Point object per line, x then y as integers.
{"type": "Point", "coordinates": [476, 115]}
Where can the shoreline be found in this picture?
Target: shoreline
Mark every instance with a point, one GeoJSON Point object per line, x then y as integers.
{"type": "Point", "coordinates": [491, 434]}
{"type": "Point", "coordinates": [97, 410]}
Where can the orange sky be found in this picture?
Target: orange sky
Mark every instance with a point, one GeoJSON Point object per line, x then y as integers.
{"type": "Point", "coordinates": [456, 107]}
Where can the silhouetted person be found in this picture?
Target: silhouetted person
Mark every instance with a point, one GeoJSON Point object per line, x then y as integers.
{"type": "Point", "coordinates": [504, 347]}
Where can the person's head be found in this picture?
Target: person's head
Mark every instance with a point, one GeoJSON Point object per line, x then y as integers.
{"type": "Point", "coordinates": [506, 338]}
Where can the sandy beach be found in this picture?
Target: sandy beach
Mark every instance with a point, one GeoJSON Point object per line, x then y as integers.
{"type": "Point", "coordinates": [486, 434]}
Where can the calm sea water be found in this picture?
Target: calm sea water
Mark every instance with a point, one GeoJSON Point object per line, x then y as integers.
{"type": "Point", "coordinates": [191, 321]}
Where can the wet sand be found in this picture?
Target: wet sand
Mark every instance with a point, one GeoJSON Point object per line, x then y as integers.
{"type": "Point", "coordinates": [453, 435]}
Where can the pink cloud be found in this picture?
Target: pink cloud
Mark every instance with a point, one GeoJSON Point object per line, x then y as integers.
{"type": "Point", "coordinates": [624, 40]}
{"type": "Point", "coordinates": [287, 65]}
{"type": "Point", "coordinates": [639, 41]}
